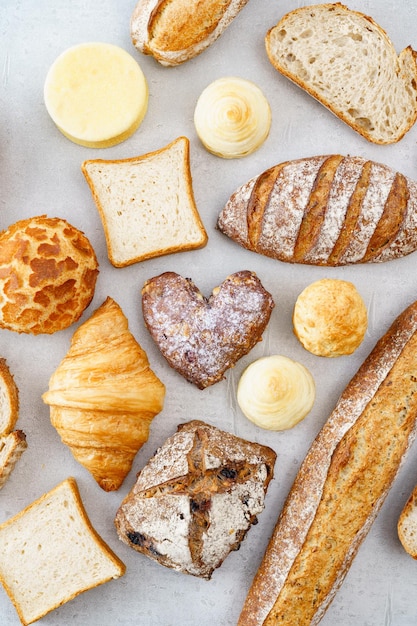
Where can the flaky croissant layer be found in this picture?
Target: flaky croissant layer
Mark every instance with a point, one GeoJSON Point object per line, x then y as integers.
{"type": "Point", "coordinates": [103, 396]}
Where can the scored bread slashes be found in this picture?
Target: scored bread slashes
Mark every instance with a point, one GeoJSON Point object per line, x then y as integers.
{"type": "Point", "coordinates": [346, 61]}
{"type": "Point", "coordinates": [146, 204]}
{"type": "Point", "coordinates": [50, 553]}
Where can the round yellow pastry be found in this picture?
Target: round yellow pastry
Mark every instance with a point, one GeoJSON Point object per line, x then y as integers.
{"type": "Point", "coordinates": [96, 94]}
{"type": "Point", "coordinates": [276, 392]}
{"type": "Point", "coordinates": [232, 117]}
{"type": "Point", "coordinates": [330, 318]}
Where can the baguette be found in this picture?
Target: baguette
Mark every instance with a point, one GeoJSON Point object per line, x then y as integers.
{"type": "Point", "coordinates": [340, 486]}
{"type": "Point", "coordinates": [407, 525]}
{"type": "Point", "coordinates": [174, 31]}
{"type": "Point", "coordinates": [325, 210]}
{"type": "Point", "coordinates": [347, 62]}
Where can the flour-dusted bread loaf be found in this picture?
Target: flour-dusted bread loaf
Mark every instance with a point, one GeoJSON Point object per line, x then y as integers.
{"type": "Point", "coordinates": [407, 525]}
{"type": "Point", "coordinates": [325, 210]}
{"type": "Point", "coordinates": [50, 553]}
{"type": "Point", "coordinates": [174, 31]}
{"type": "Point", "coordinates": [146, 203]}
{"type": "Point", "coordinates": [48, 273]}
{"type": "Point", "coordinates": [341, 485]}
{"type": "Point", "coordinates": [197, 497]}
{"type": "Point", "coordinates": [201, 338]}
{"type": "Point", "coordinates": [12, 442]}
{"type": "Point", "coordinates": [347, 62]}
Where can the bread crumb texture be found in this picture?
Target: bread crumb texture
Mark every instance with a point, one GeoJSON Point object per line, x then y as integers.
{"type": "Point", "coordinates": [346, 60]}
{"type": "Point", "coordinates": [97, 94]}
{"type": "Point", "coordinates": [50, 553]}
{"type": "Point", "coordinates": [147, 204]}
{"type": "Point", "coordinates": [48, 273]}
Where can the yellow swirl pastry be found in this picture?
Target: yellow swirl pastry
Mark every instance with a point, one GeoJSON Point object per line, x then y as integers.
{"type": "Point", "coordinates": [276, 392]}
{"type": "Point", "coordinates": [330, 318]}
{"type": "Point", "coordinates": [96, 94]}
{"type": "Point", "coordinates": [232, 117]}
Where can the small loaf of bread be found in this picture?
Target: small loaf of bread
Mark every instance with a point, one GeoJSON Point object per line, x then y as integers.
{"type": "Point", "coordinates": [340, 486]}
{"type": "Point", "coordinates": [325, 210]}
{"type": "Point", "coordinates": [174, 31]}
{"type": "Point", "coordinates": [196, 499]}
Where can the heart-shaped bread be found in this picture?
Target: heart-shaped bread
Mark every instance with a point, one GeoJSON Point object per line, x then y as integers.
{"type": "Point", "coordinates": [203, 337]}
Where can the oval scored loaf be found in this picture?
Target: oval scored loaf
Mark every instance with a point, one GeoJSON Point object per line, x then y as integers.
{"type": "Point", "coordinates": [174, 31]}
{"type": "Point", "coordinates": [325, 210]}
{"type": "Point", "coordinates": [341, 485]}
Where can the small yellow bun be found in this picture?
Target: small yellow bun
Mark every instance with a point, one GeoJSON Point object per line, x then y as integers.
{"type": "Point", "coordinates": [96, 94]}
{"type": "Point", "coordinates": [276, 392]}
{"type": "Point", "coordinates": [330, 318]}
{"type": "Point", "coordinates": [232, 117]}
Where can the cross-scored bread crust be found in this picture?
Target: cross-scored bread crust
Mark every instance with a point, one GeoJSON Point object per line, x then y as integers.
{"type": "Point", "coordinates": [196, 498]}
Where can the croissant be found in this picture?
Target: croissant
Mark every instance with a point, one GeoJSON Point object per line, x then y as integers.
{"type": "Point", "coordinates": [103, 396]}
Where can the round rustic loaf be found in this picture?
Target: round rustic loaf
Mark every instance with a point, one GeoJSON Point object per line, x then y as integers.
{"type": "Point", "coordinates": [48, 272]}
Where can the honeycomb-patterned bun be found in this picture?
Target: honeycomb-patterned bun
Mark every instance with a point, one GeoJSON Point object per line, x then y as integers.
{"type": "Point", "coordinates": [48, 272]}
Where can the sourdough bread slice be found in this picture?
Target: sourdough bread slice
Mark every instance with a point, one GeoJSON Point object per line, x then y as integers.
{"type": "Point", "coordinates": [407, 525]}
{"type": "Point", "coordinates": [346, 61]}
{"type": "Point", "coordinates": [146, 204]}
{"type": "Point", "coordinates": [50, 553]}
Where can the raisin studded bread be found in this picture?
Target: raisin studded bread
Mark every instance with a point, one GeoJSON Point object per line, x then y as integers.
{"type": "Point", "coordinates": [347, 62]}
{"type": "Point", "coordinates": [325, 210]}
{"type": "Point", "coordinates": [196, 498]}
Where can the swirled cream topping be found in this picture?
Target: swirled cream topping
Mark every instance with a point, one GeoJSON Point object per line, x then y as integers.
{"type": "Point", "coordinates": [276, 392]}
{"type": "Point", "coordinates": [232, 117]}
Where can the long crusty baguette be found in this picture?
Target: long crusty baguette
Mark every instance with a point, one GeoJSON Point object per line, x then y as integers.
{"type": "Point", "coordinates": [346, 61]}
{"type": "Point", "coordinates": [341, 485]}
{"type": "Point", "coordinates": [174, 31]}
{"type": "Point", "coordinates": [325, 210]}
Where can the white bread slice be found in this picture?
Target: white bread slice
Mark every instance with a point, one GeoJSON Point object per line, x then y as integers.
{"type": "Point", "coordinates": [407, 525]}
{"type": "Point", "coordinates": [347, 62]}
{"type": "Point", "coordinates": [146, 204]}
{"type": "Point", "coordinates": [50, 553]}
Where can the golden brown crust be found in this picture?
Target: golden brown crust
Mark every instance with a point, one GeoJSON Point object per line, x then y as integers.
{"type": "Point", "coordinates": [346, 470]}
{"type": "Point", "coordinates": [103, 396]}
{"type": "Point", "coordinates": [325, 210]}
{"type": "Point", "coordinates": [10, 408]}
{"type": "Point", "coordinates": [174, 31]}
{"type": "Point", "coordinates": [48, 272]}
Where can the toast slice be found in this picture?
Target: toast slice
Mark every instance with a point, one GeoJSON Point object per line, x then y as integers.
{"type": "Point", "coordinates": [407, 525]}
{"type": "Point", "coordinates": [50, 553]}
{"type": "Point", "coordinates": [146, 204]}
{"type": "Point", "coordinates": [346, 61]}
